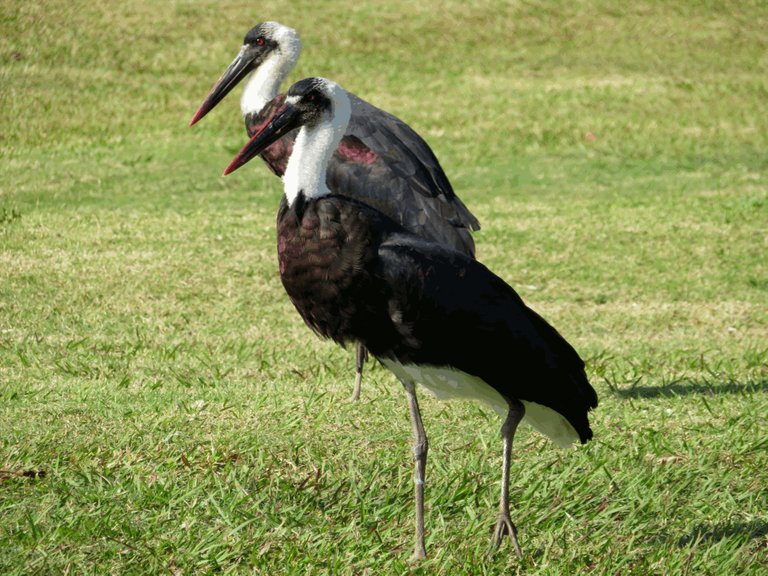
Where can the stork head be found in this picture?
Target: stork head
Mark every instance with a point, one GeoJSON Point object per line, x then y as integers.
{"type": "Point", "coordinates": [308, 103]}
{"type": "Point", "coordinates": [266, 44]}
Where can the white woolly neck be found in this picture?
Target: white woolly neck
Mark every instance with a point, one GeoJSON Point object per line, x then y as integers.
{"type": "Point", "coordinates": [313, 148]}
{"type": "Point", "coordinates": [264, 83]}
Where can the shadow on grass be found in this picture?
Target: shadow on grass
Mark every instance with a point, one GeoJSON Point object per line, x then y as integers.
{"type": "Point", "coordinates": [682, 388]}
{"type": "Point", "coordinates": [720, 531]}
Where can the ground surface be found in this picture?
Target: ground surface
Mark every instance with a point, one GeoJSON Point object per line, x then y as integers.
{"type": "Point", "coordinates": [162, 407]}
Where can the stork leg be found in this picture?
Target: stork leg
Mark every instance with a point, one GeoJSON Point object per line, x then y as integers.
{"type": "Point", "coordinates": [420, 447]}
{"type": "Point", "coordinates": [361, 355]}
{"type": "Point", "coordinates": [505, 526]}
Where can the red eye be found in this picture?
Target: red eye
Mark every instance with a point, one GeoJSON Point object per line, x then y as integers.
{"type": "Point", "coordinates": [260, 41]}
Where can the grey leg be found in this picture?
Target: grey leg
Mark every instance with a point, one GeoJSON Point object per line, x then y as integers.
{"type": "Point", "coordinates": [420, 447]}
{"type": "Point", "coordinates": [360, 357]}
{"type": "Point", "coordinates": [505, 525]}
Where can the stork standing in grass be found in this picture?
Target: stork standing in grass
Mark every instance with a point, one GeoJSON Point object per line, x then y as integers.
{"type": "Point", "coordinates": [380, 160]}
{"type": "Point", "coordinates": [431, 314]}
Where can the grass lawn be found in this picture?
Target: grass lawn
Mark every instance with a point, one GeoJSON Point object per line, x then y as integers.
{"type": "Point", "coordinates": [163, 409]}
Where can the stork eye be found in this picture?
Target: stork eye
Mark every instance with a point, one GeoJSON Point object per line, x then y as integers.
{"type": "Point", "coordinates": [260, 41]}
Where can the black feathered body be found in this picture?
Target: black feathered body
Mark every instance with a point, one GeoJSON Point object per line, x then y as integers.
{"type": "Point", "coordinates": [354, 275]}
{"type": "Point", "coordinates": [384, 163]}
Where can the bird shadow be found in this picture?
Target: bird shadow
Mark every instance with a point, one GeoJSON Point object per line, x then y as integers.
{"type": "Point", "coordinates": [692, 387]}
{"type": "Point", "coordinates": [716, 532]}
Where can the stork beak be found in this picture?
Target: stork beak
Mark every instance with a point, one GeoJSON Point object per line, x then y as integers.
{"type": "Point", "coordinates": [237, 70]}
{"type": "Point", "coordinates": [286, 119]}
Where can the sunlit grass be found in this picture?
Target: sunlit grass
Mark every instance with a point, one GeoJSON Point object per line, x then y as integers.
{"type": "Point", "coordinates": [163, 408]}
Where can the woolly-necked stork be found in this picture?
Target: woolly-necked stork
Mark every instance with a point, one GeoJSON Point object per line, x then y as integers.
{"type": "Point", "coordinates": [430, 314]}
{"type": "Point", "coordinates": [380, 159]}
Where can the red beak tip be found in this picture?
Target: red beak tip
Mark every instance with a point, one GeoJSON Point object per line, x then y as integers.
{"type": "Point", "coordinates": [231, 168]}
{"type": "Point", "coordinates": [199, 114]}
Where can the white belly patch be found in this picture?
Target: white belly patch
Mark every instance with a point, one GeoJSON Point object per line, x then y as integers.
{"type": "Point", "coordinates": [449, 383]}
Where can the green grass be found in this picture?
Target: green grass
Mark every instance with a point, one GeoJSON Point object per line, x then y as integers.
{"type": "Point", "coordinates": [164, 410]}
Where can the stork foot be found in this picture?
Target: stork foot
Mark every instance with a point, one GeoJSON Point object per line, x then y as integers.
{"type": "Point", "coordinates": [419, 554]}
{"type": "Point", "coordinates": [505, 527]}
